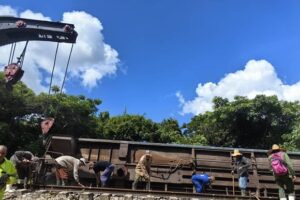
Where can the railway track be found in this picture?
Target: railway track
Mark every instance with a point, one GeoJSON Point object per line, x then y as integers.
{"type": "Point", "coordinates": [152, 193]}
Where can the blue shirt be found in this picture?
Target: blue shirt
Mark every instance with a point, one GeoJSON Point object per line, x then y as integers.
{"type": "Point", "coordinates": [199, 180]}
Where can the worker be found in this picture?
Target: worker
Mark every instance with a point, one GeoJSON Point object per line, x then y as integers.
{"type": "Point", "coordinates": [23, 161]}
{"type": "Point", "coordinates": [107, 169]}
{"type": "Point", "coordinates": [8, 172]}
{"type": "Point", "coordinates": [142, 170]}
{"type": "Point", "coordinates": [283, 172]}
{"type": "Point", "coordinates": [201, 180]}
{"type": "Point", "coordinates": [66, 164]}
{"type": "Point", "coordinates": [241, 166]}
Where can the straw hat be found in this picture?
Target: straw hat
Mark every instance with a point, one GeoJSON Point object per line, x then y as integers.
{"type": "Point", "coordinates": [236, 152]}
{"type": "Point", "coordinates": [275, 147]}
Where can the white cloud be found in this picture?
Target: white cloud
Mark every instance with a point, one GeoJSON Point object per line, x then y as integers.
{"type": "Point", "coordinates": [92, 59]}
{"type": "Point", "coordinates": [258, 77]}
{"type": "Point", "coordinates": [7, 10]}
{"type": "Point", "coordinates": [31, 15]}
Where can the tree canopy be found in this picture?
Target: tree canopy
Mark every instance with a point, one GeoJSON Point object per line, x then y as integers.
{"type": "Point", "coordinates": [247, 123]}
{"type": "Point", "coordinates": [243, 122]}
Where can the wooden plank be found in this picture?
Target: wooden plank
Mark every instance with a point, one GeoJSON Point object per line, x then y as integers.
{"type": "Point", "coordinates": [169, 158]}
{"type": "Point", "coordinates": [123, 151]}
{"type": "Point", "coordinates": [255, 174]}
{"type": "Point", "coordinates": [84, 152]}
{"type": "Point", "coordinates": [115, 157]}
{"type": "Point", "coordinates": [109, 155]}
{"type": "Point", "coordinates": [94, 155]}
{"type": "Point", "coordinates": [105, 155]}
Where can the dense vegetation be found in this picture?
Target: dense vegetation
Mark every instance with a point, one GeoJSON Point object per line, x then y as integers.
{"type": "Point", "coordinates": [247, 123]}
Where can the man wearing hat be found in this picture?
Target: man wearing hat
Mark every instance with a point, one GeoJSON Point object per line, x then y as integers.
{"type": "Point", "coordinates": [241, 166]}
{"type": "Point", "coordinates": [66, 164]}
{"type": "Point", "coordinates": [142, 170]}
{"type": "Point", "coordinates": [285, 181]}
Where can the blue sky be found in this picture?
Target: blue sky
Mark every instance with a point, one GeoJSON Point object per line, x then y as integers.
{"type": "Point", "coordinates": [169, 58]}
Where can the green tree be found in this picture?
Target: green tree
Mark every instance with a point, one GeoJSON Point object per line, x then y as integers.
{"type": "Point", "coordinates": [13, 106]}
{"type": "Point", "coordinates": [169, 131]}
{"type": "Point", "coordinates": [130, 127]}
{"type": "Point", "coordinates": [74, 115]}
{"type": "Point", "coordinates": [55, 89]}
{"type": "Point", "coordinates": [21, 111]}
{"type": "Point", "coordinates": [292, 140]}
{"type": "Point", "coordinates": [248, 123]}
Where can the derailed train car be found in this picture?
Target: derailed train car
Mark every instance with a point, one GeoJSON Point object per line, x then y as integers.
{"type": "Point", "coordinates": [172, 164]}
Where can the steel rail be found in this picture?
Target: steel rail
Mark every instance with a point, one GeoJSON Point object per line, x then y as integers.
{"type": "Point", "coordinates": [146, 192]}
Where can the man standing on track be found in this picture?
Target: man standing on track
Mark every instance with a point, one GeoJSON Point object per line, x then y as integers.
{"type": "Point", "coordinates": [285, 179]}
{"type": "Point", "coordinates": [143, 170]}
{"type": "Point", "coordinates": [241, 166]}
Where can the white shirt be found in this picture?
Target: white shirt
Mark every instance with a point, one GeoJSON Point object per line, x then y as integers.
{"type": "Point", "coordinates": [70, 163]}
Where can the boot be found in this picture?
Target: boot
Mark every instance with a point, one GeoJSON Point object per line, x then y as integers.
{"type": "Point", "coordinates": [134, 185]}
{"type": "Point", "coordinates": [25, 183]}
{"type": "Point", "coordinates": [291, 197]}
{"type": "Point", "coordinates": [20, 181]}
{"type": "Point", "coordinates": [9, 188]}
{"type": "Point", "coordinates": [148, 185]}
{"type": "Point", "coordinates": [243, 192]}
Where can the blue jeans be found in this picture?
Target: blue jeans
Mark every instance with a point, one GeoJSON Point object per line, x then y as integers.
{"type": "Point", "coordinates": [243, 182]}
{"type": "Point", "coordinates": [104, 178]}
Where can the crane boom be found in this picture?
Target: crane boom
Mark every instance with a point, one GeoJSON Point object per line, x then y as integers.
{"type": "Point", "coordinates": [13, 29]}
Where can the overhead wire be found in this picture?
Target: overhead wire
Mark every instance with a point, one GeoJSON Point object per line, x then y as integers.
{"type": "Point", "coordinates": [53, 67]}
{"type": "Point", "coordinates": [62, 86]}
{"type": "Point", "coordinates": [11, 52]}
{"type": "Point", "coordinates": [52, 74]}
{"type": "Point", "coordinates": [22, 56]}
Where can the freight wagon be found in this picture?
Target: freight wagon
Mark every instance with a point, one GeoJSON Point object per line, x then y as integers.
{"type": "Point", "coordinates": [171, 167]}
